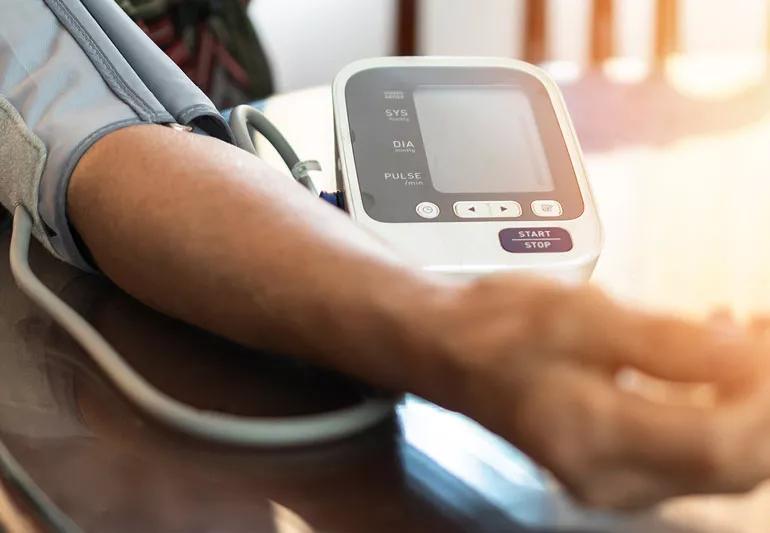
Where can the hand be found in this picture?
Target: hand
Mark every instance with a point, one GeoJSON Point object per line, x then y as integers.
{"type": "Point", "coordinates": [533, 361]}
{"type": "Point", "coordinates": [538, 364]}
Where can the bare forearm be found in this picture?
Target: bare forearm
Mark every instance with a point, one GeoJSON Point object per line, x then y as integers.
{"type": "Point", "coordinates": [207, 233]}
{"type": "Point", "coordinates": [211, 235]}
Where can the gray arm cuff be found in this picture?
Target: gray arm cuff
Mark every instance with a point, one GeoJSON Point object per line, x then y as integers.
{"type": "Point", "coordinates": [23, 156]}
{"type": "Point", "coordinates": [66, 84]}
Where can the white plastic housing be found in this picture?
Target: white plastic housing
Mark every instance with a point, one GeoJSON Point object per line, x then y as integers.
{"type": "Point", "coordinates": [435, 246]}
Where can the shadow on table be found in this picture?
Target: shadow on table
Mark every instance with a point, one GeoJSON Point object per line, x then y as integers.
{"type": "Point", "coordinates": [113, 470]}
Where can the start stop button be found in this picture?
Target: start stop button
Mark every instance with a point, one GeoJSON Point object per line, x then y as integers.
{"type": "Point", "coordinates": [535, 240]}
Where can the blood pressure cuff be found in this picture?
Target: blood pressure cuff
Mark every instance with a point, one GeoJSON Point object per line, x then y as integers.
{"type": "Point", "coordinates": [72, 71]}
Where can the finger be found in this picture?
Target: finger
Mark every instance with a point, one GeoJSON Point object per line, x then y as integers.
{"type": "Point", "coordinates": [657, 390]}
{"type": "Point", "coordinates": [723, 320]}
{"type": "Point", "coordinates": [585, 324]}
{"type": "Point", "coordinates": [638, 431]}
{"type": "Point", "coordinates": [626, 489]}
{"type": "Point", "coordinates": [759, 327]}
{"type": "Point", "coordinates": [745, 427]}
{"type": "Point", "coordinates": [675, 350]}
{"type": "Point", "coordinates": [681, 450]}
{"type": "Point", "coordinates": [582, 443]}
{"type": "Point", "coordinates": [618, 450]}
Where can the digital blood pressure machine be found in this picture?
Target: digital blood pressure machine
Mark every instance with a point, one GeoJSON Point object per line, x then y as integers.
{"type": "Point", "coordinates": [467, 166]}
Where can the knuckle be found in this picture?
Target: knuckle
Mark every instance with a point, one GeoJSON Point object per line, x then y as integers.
{"type": "Point", "coordinates": [605, 489]}
{"type": "Point", "coordinates": [710, 457]}
{"type": "Point", "coordinates": [597, 498]}
{"type": "Point", "coordinates": [619, 490]}
{"type": "Point", "coordinates": [565, 456]}
{"type": "Point", "coordinates": [571, 447]}
{"type": "Point", "coordinates": [572, 319]}
{"type": "Point", "coordinates": [616, 500]}
{"type": "Point", "coordinates": [734, 456]}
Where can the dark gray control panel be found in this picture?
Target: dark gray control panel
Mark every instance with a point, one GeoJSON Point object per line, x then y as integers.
{"type": "Point", "coordinates": [430, 147]}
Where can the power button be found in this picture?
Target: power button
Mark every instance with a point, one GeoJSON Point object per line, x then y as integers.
{"type": "Point", "coordinates": [427, 210]}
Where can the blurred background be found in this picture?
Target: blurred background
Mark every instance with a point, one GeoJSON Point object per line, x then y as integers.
{"type": "Point", "coordinates": [726, 43]}
{"type": "Point", "coordinates": [238, 50]}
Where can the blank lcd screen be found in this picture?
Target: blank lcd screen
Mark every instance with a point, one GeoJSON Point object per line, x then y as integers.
{"type": "Point", "coordinates": [481, 139]}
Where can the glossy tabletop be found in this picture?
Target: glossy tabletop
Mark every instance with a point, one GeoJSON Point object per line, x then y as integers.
{"type": "Point", "coordinates": [681, 184]}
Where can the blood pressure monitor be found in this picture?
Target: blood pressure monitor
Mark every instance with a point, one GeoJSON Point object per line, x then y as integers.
{"type": "Point", "coordinates": [467, 166]}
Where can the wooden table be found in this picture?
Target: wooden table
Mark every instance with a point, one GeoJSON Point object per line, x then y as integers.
{"type": "Point", "coordinates": [682, 189]}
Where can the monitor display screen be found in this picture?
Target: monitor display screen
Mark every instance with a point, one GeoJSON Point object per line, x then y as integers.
{"type": "Point", "coordinates": [481, 139]}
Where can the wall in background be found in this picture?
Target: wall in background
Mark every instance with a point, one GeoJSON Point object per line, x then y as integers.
{"type": "Point", "coordinates": [309, 41]}
{"type": "Point", "coordinates": [475, 27]}
{"type": "Point", "coordinates": [496, 27]}
{"type": "Point", "coordinates": [716, 25]}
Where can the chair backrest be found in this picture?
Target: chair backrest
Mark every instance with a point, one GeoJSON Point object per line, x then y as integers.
{"type": "Point", "coordinates": [406, 28]}
{"type": "Point", "coordinates": [535, 31]}
{"type": "Point", "coordinates": [602, 31]}
{"type": "Point", "coordinates": [666, 30]}
{"type": "Point", "coordinates": [535, 43]}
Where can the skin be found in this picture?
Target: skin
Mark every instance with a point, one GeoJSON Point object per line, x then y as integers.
{"type": "Point", "coordinates": [211, 235]}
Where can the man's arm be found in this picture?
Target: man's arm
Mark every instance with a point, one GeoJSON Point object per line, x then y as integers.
{"type": "Point", "coordinates": [210, 234]}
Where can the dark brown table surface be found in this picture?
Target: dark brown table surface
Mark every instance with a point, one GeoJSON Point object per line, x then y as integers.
{"type": "Point", "coordinates": [681, 185]}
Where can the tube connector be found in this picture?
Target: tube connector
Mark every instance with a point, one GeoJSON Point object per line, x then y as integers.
{"type": "Point", "coordinates": [336, 198]}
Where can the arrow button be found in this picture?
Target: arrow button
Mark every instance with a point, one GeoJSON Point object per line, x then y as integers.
{"type": "Point", "coordinates": [471, 210]}
{"type": "Point", "coordinates": [504, 209]}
